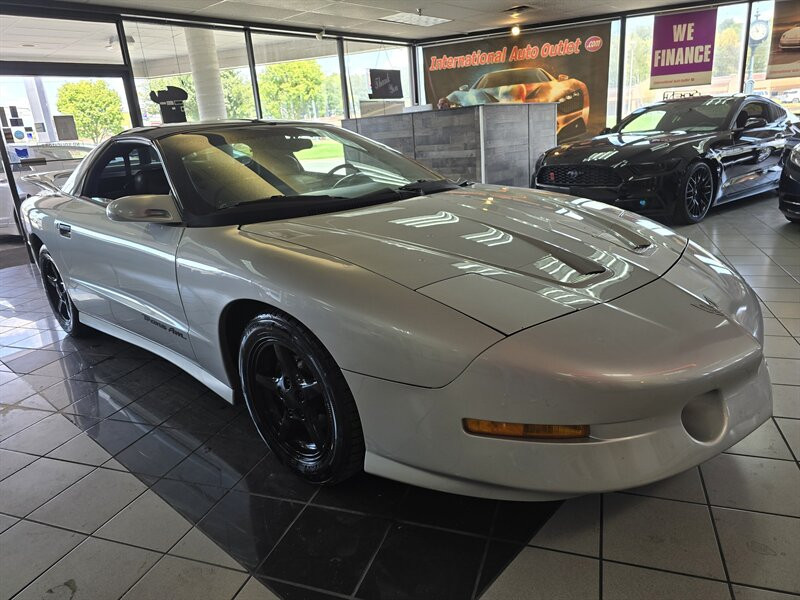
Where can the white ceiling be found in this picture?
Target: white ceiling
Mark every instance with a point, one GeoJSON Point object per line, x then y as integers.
{"type": "Point", "coordinates": [363, 16]}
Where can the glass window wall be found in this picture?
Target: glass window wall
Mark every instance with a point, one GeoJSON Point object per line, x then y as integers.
{"type": "Point", "coordinates": [210, 65]}
{"type": "Point", "coordinates": [359, 58]}
{"type": "Point", "coordinates": [728, 53]}
{"type": "Point", "coordinates": [298, 78]}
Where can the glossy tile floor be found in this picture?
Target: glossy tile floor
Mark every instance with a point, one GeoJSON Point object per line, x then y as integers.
{"type": "Point", "coordinates": [120, 477]}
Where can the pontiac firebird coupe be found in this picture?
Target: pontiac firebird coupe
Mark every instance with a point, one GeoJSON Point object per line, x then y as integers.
{"type": "Point", "coordinates": [477, 339]}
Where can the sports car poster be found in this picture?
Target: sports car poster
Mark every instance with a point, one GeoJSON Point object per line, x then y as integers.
{"type": "Point", "coordinates": [683, 48]}
{"type": "Point", "coordinates": [784, 54]}
{"type": "Point", "coordinates": [568, 66]}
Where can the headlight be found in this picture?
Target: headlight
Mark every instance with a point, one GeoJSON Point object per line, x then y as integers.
{"type": "Point", "coordinates": [794, 155]}
{"type": "Point", "coordinates": [655, 168]}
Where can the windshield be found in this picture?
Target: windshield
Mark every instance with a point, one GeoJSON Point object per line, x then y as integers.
{"type": "Point", "coordinates": [225, 167]}
{"type": "Point", "coordinates": [703, 114]}
{"type": "Point", "coordinates": [513, 77]}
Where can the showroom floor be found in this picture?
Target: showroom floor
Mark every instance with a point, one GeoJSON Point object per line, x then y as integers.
{"type": "Point", "coordinates": [122, 477]}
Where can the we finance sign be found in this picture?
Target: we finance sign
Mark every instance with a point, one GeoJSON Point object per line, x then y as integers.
{"type": "Point", "coordinates": [683, 48]}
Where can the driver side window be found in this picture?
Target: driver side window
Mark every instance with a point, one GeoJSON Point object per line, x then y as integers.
{"type": "Point", "coordinates": [126, 170]}
{"type": "Point", "coordinates": [751, 110]}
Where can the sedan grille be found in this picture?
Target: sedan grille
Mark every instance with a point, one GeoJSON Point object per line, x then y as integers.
{"type": "Point", "coordinates": [570, 103]}
{"type": "Point", "coordinates": [569, 175]}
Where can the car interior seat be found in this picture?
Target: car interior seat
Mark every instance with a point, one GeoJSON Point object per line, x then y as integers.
{"type": "Point", "coordinates": [151, 181]}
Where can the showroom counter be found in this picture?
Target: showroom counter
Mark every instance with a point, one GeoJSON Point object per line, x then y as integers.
{"type": "Point", "coordinates": [492, 143]}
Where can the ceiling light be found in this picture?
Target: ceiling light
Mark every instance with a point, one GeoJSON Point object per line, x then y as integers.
{"type": "Point", "coordinates": [414, 19]}
{"type": "Point", "coordinates": [515, 30]}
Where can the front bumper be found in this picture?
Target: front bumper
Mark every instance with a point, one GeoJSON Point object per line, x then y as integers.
{"type": "Point", "coordinates": [664, 378]}
{"type": "Point", "coordinates": [652, 195]}
{"type": "Point", "coordinates": [789, 191]}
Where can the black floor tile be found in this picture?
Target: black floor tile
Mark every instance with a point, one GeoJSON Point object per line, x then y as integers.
{"type": "Point", "coordinates": [114, 436]}
{"type": "Point", "coordinates": [98, 404]}
{"type": "Point", "coordinates": [450, 511]}
{"type": "Point", "coordinates": [192, 500]}
{"type": "Point", "coordinates": [327, 549]}
{"type": "Point", "coordinates": [519, 521]}
{"type": "Point", "coordinates": [71, 364]}
{"type": "Point", "coordinates": [64, 393]}
{"type": "Point", "coordinates": [419, 562]}
{"type": "Point", "coordinates": [270, 478]}
{"type": "Point", "coordinates": [219, 461]}
{"type": "Point", "coordinates": [364, 493]}
{"type": "Point", "coordinates": [158, 451]}
{"type": "Point", "coordinates": [241, 427]}
{"type": "Point", "coordinates": [498, 556]}
{"type": "Point", "coordinates": [293, 592]}
{"type": "Point", "coordinates": [247, 527]}
{"type": "Point", "coordinates": [156, 406]}
{"type": "Point", "coordinates": [197, 420]}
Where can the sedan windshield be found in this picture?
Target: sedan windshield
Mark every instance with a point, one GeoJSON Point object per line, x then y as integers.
{"type": "Point", "coordinates": [513, 77]}
{"type": "Point", "coordinates": [262, 165]}
{"type": "Point", "coordinates": [703, 114]}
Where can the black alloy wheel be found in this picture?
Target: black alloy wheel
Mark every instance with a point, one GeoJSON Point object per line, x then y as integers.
{"type": "Point", "coordinates": [299, 400]}
{"type": "Point", "coordinates": [57, 295]}
{"type": "Point", "coordinates": [696, 194]}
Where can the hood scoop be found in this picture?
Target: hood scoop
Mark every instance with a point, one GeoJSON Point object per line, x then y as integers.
{"type": "Point", "coordinates": [581, 265]}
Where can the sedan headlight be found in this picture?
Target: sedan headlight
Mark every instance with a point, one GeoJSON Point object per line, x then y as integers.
{"type": "Point", "coordinates": [794, 155]}
{"type": "Point", "coordinates": [655, 168]}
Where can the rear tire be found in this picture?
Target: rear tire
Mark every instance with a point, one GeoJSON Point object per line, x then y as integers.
{"type": "Point", "coordinates": [695, 195]}
{"type": "Point", "coordinates": [57, 295]}
{"type": "Point", "coordinates": [299, 400]}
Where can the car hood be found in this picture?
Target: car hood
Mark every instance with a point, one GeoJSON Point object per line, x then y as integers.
{"type": "Point", "coordinates": [508, 257]}
{"type": "Point", "coordinates": [614, 148]}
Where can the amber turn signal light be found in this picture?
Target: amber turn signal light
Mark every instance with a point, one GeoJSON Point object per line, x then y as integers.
{"type": "Point", "coordinates": [525, 430]}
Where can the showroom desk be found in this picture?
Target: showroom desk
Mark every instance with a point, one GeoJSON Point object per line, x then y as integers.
{"type": "Point", "coordinates": [493, 143]}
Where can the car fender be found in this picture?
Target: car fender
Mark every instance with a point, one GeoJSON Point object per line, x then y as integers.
{"type": "Point", "coordinates": [369, 324]}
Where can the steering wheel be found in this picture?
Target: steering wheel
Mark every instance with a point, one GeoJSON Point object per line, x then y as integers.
{"type": "Point", "coordinates": [345, 166]}
{"type": "Point", "coordinates": [356, 172]}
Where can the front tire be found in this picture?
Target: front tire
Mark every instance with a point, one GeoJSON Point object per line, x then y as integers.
{"type": "Point", "coordinates": [695, 195]}
{"type": "Point", "coordinates": [57, 295]}
{"type": "Point", "coordinates": [299, 400]}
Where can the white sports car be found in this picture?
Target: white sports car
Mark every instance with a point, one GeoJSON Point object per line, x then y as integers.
{"type": "Point", "coordinates": [476, 339]}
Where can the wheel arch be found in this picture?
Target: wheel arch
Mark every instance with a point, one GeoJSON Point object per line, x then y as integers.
{"type": "Point", "coordinates": [232, 322]}
{"type": "Point", "coordinates": [36, 244]}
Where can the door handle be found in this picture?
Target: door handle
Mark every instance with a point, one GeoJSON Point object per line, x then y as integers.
{"type": "Point", "coordinates": [64, 230]}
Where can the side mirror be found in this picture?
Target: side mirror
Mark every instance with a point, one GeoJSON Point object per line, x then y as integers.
{"type": "Point", "coordinates": [755, 123]}
{"type": "Point", "coordinates": [563, 77]}
{"type": "Point", "coordinates": [463, 88]}
{"type": "Point", "coordinates": [605, 131]}
{"type": "Point", "coordinates": [147, 208]}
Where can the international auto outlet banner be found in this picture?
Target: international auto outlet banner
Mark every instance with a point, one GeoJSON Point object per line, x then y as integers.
{"type": "Point", "coordinates": [683, 48]}
{"type": "Point", "coordinates": [568, 66]}
{"type": "Point", "coordinates": [784, 53]}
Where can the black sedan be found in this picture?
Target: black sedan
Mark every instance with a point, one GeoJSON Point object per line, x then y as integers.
{"type": "Point", "coordinates": [677, 158]}
{"type": "Point", "coordinates": [789, 190]}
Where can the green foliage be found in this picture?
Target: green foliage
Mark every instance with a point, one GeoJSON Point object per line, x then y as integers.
{"type": "Point", "coordinates": [96, 108]}
{"type": "Point", "coordinates": [238, 94]}
{"type": "Point", "coordinates": [728, 48]}
{"type": "Point", "coordinates": [291, 90]}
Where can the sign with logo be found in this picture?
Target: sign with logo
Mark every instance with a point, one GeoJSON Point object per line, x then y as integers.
{"type": "Point", "coordinates": [784, 53]}
{"type": "Point", "coordinates": [567, 66]}
{"type": "Point", "coordinates": [385, 84]}
{"type": "Point", "coordinates": [683, 48]}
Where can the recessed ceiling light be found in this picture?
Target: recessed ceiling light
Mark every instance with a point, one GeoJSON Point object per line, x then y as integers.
{"type": "Point", "coordinates": [515, 30]}
{"type": "Point", "coordinates": [414, 19]}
